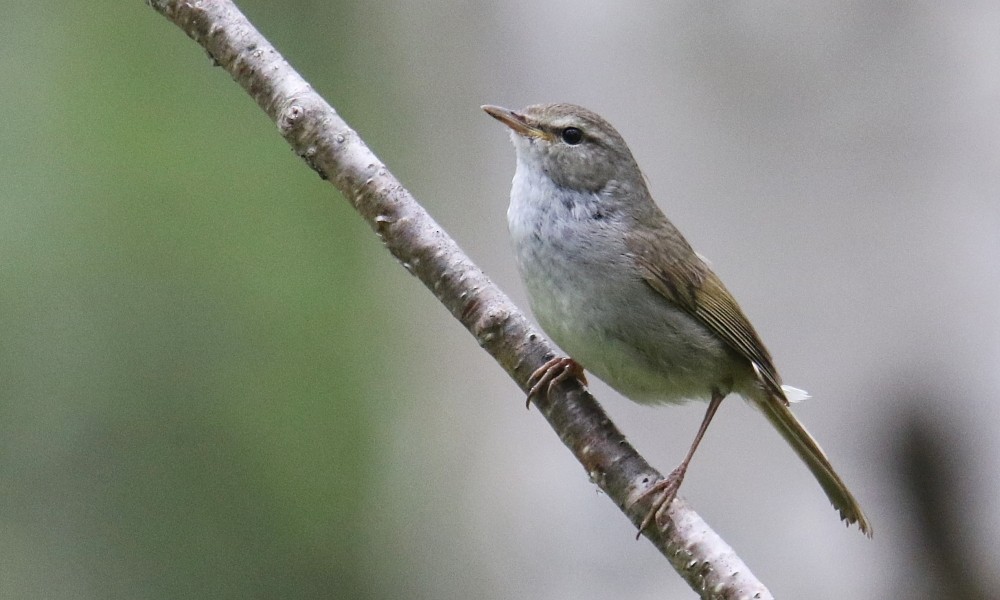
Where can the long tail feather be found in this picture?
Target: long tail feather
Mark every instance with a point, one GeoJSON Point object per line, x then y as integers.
{"type": "Point", "coordinates": [810, 453]}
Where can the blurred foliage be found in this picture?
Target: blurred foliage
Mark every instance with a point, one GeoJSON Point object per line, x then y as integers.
{"type": "Point", "coordinates": [187, 346]}
{"type": "Point", "coordinates": [210, 369]}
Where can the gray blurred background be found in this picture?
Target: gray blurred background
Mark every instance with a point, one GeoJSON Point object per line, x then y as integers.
{"type": "Point", "coordinates": [214, 382]}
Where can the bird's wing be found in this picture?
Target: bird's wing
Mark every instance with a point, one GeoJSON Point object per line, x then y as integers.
{"type": "Point", "coordinates": [689, 283]}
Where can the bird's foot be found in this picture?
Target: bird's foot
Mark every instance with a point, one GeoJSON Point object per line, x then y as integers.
{"type": "Point", "coordinates": [665, 491]}
{"type": "Point", "coordinates": [551, 374]}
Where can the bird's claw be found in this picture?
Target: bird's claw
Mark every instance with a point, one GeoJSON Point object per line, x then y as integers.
{"type": "Point", "coordinates": [551, 374]}
{"type": "Point", "coordinates": [665, 491]}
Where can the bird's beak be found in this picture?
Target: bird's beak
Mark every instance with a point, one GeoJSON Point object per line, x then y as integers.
{"type": "Point", "coordinates": [516, 121]}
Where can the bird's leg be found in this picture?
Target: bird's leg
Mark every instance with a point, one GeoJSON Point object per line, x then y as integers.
{"type": "Point", "coordinates": [551, 374]}
{"type": "Point", "coordinates": [667, 488]}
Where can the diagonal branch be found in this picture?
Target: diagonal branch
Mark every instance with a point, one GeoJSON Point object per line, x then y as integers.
{"type": "Point", "coordinates": [317, 134]}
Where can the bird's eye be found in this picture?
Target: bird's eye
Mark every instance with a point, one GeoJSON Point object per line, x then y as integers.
{"type": "Point", "coordinates": [572, 136]}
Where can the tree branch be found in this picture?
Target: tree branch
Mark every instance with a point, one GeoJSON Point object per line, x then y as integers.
{"type": "Point", "coordinates": [317, 134]}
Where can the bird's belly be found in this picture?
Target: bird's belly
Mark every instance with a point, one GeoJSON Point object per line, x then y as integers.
{"type": "Point", "coordinates": [626, 334]}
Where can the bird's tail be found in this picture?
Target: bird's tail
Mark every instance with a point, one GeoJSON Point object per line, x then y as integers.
{"type": "Point", "coordinates": [809, 451]}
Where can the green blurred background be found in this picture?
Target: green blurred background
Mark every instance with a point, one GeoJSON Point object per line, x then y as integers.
{"type": "Point", "coordinates": [214, 382]}
{"type": "Point", "coordinates": [193, 338]}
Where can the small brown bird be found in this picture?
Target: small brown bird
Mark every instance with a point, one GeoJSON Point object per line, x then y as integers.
{"type": "Point", "coordinates": [618, 287]}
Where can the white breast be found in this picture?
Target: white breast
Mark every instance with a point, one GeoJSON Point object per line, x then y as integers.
{"type": "Point", "coordinates": [588, 296]}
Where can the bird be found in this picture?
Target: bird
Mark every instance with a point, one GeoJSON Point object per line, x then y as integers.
{"type": "Point", "coordinates": [617, 286]}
